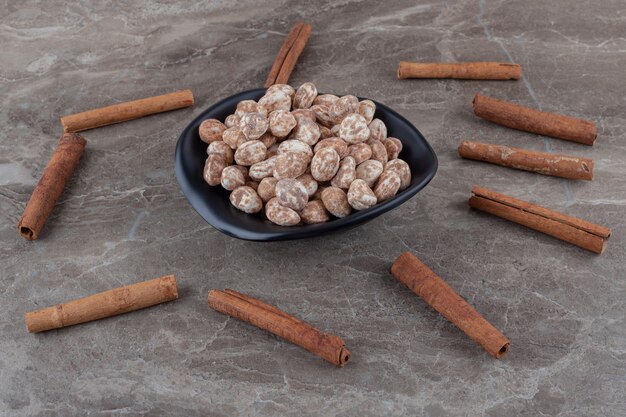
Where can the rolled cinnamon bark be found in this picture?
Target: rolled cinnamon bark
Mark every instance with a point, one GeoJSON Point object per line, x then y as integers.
{"type": "Point", "coordinates": [282, 53]}
{"type": "Point", "coordinates": [544, 163]}
{"type": "Point", "coordinates": [432, 289]}
{"type": "Point", "coordinates": [534, 121]}
{"type": "Point", "coordinates": [293, 54]}
{"type": "Point", "coordinates": [105, 304]}
{"type": "Point", "coordinates": [288, 54]}
{"type": "Point", "coordinates": [460, 70]}
{"type": "Point", "coordinates": [126, 111]}
{"type": "Point", "coordinates": [276, 321]}
{"type": "Point", "coordinates": [51, 185]}
{"type": "Point", "coordinates": [567, 228]}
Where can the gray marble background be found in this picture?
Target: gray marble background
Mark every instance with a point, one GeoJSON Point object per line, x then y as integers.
{"type": "Point", "coordinates": [123, 218]}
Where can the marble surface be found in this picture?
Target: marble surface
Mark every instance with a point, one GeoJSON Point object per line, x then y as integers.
{"type": "Point", "coordinates": [123, 219]}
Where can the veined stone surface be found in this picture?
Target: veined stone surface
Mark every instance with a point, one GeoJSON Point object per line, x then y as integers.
{"type": "Point", "coordinates": [123, 219]}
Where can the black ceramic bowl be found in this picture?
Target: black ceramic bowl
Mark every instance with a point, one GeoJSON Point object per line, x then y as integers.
{"type": "Point", "coordinates": [213, 205]}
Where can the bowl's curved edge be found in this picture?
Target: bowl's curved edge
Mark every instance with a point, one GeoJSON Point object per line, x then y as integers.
{"type": "Point", "coordinates": [349, 222]}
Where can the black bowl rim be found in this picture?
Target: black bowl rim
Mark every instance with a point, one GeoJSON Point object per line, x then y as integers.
{"type": "Point", "coordinates": [301, 231]}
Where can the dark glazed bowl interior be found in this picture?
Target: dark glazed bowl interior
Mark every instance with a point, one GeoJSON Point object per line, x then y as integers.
{"type": "Point", "coordinates": [213, 205]}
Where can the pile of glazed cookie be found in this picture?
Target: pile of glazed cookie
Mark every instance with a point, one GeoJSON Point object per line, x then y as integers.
{"type": "Point", "coordinates": [303, 156]}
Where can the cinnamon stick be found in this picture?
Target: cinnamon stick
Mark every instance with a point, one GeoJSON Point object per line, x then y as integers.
{"type": "Point", "coordinates": [126, 111]}
{"type": "Point", "coordinates": [282, 53]}
{"type": "Point", "coordinates": [288, 54]}
{"type": "Point", "coordinates": [276, 321]}
{"type": "Point", "coordinates": [439, 295]}
{"type": "Point", "coordinates": [534, 121]}
{"type": "Point", "coordinates": [50, 187]}
{"type": "Point", "coordinates": [460, 70]}
{"type": "Point", "coordinates": [105, 304]}
{"type": "Point", "coordinates": [561, 226]}
{"type": "Point", "coordinates": [544, 163]}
